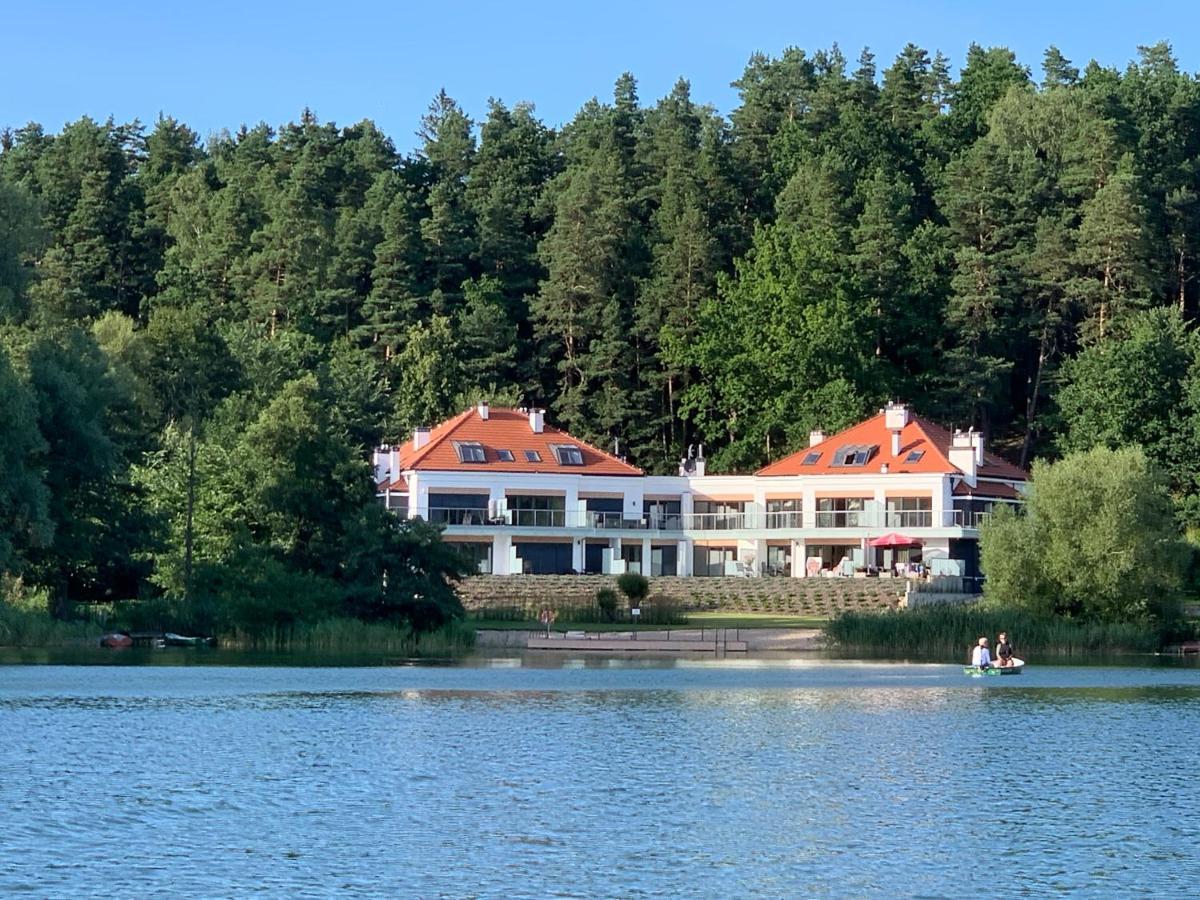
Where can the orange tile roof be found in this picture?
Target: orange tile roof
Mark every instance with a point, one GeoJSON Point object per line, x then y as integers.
{"type": "Point", "coordinates": [399, 485]}
{"type": "Point", "coordinates": [505, 429]}
{"type": "Point", "coordinates": [918, 435]}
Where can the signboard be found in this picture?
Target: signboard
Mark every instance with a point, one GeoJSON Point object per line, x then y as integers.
{"type": "Point", "coordinates": [635, 611]}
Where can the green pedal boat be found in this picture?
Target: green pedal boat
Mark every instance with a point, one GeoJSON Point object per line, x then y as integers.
{"type": "Point", "coordinates": [1014, 669]}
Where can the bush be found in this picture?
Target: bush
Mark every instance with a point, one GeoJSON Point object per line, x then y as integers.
{"type": "Point", "coordinates": [634, 586]}
{"type": "Point", "coordinates": [606, 599]}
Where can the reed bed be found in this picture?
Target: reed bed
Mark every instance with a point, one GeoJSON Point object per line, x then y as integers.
{"type": "Point", "coordinates": [352, 636]}
{"type": "Point", "coordinates": [948, 632]}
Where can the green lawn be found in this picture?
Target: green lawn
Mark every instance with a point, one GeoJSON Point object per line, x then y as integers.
{"type": "Point", "coordinates": [694, 620]}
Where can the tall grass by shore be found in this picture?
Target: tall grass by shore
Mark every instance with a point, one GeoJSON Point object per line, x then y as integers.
{"type": "Point", "coordinates": [948, 632]}
{"type": "Point", "coordinates": [352, 636]}
{"type": "Point", "coordinates": [34, 627]}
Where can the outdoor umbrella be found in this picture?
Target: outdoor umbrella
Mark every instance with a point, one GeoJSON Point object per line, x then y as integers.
{"type": "Point", "coordinates": [893, 540]}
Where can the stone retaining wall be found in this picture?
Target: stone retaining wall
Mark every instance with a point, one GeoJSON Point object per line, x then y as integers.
{"type": "Point", "coordinates": [783, 596]}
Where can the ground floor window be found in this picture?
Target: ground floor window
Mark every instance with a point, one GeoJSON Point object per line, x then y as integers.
{"type": "Point", "coordinates": [543, 559]}
{"type": "Point", "coordinates": [631, 555]}
{"type": "Point", "coordinates": [779, 560]}
{"type": "Point", "coordinates": [837, 558]}
{"type": "Point", "coordinates": [664, 560]}
{"type": "Point", "coordinates": [478, 553]}
{"type": "Point", "coordinates": [711, 561]}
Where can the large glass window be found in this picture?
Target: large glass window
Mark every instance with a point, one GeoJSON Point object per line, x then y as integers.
{"type": "Point", "coordinates": [478, 554]}
{"type": "Point", "coordinates": [785, 513]}
{"type": "Point", "coordinates": [664, 514]}
{"type": "Point", "coordinates": [533, 510]}
{"type": "Point", "coordinates": [664, 560]}
{"type": "Point", "coordinates": [909, 512]}
{"type": "Point", "coordinates": [716, 515]}
{"type": "Point", "coordinates": [779, 560]}
{"type": "Point", "coordinates": [632, 556]}
{"type": "Point", "coordinates": [710, 561]}
{"type": "Point", "coordinates": [398, 503]}
{"type": "Point", "coordinates": [458, 509]}
{"type": "Point", "coordinates": [840, 512]}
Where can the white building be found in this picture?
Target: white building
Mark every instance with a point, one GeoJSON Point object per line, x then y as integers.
{"type": "Point", "coordinates": [523, 496]}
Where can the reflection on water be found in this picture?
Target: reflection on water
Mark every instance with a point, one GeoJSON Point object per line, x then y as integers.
{"type": "Point", "coordinates": [685, 779]}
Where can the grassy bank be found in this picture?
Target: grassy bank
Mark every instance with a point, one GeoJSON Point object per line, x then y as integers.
{"type": "Point", "coordinates": [948, 632]}
{"type": "Point", "coordinates": [353, 636]}
{"type": "Point", "coordinates": [34, 627]}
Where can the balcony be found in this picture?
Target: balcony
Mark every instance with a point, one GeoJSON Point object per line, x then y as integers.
{"type": "Point", "coordinates": [913, 520]}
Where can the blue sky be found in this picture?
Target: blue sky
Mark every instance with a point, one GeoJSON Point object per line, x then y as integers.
{"type": "Point", "coordinates": [218, 64]}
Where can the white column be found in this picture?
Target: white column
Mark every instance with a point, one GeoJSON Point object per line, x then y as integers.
{"type": "Point", "coordinates": [799, 557]}
{"type": "Point", "coordinates": [646, 557]}
{"type": "Point", "coordinates": [501, 549]}
{"type": "Point", "coordinates": [684, 562]}
{"type": "Point", "coordinates": [760, 556]}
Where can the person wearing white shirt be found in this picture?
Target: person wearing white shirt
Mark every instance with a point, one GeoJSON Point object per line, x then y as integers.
{"type": "Point", "coordinates": [981, 657]}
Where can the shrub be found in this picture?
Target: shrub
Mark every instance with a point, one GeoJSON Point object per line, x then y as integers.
{"type": "Point", "coordinates": [634, 586]}
{"type": "Point", "coordinates": [606, 599]}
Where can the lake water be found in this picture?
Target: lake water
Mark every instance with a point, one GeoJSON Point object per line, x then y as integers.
{"type": "Point", "coordinates": [605, 778]}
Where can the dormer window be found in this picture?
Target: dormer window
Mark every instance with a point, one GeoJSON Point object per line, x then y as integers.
{"type": "Point", "coordinates": [504, 455]}
{"type": "Point", "coordinates": [469, 451]}
{"type": "Point", "coordinates": [810, 459]}
{"type": "Point", "coordinates": [568, 455]}
{"type": "Point", "coordinates": [532, 456]}
{"type": "Point", "coordinates": [853, 455]}
{"type": "Point", "coordinates": [914, 456]}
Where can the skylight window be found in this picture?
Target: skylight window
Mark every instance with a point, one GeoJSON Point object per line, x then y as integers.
{"type": "Point", "coordinates": [854, 455]}
{"type": "Point", "coordinates": [470, 451]}
{"type": "Point", "coordinates": [811, 459]}
{"type": "Point", "coordinates": [914, 456]}
{"type": "Point", "coordinates": [568, 455]}
{"type": "Point", "coordinates": [504, 455]}
{"type": "Point", "coordinates": [532, 456]}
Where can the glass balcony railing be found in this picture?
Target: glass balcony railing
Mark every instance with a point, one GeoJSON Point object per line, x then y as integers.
{"type": "Point", "coordinates": [898, 520]}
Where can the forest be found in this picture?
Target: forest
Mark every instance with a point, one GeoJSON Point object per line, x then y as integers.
{"type": "Point", "coordinates": [201, 337]}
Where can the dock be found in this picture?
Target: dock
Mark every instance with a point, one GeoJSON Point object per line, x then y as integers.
{"type": "Point", "coordinates": [718, 641]}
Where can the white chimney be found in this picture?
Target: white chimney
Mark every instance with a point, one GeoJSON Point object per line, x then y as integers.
{"type": "Point", "coordinates": [895, 417]}
{"type": "Point", "coordinates": [537, 420]}
{"type": "Point", "coordinates": [483, 410]}
{"type": "Point", "coordinates": [816, 436]}
{"type": "Point", "coordinates": [977, 437]}
{"type": "Point", "coordinates": [699, 471]}
{"type": "Point", "coordinates": [420, 437]}
{"type": "Point", "coordinates": [381, 459]}
{"type": "Point", "coordinates": [962, 455]}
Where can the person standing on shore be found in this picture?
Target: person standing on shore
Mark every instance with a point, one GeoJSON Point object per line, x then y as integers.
{"type": "Point", "coordinates": [981, 657]}
{"type": "Point", "coordinates": [1004, 650]}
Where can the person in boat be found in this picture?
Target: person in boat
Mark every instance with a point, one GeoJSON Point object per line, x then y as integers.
{"type": "Point", "coordinates": [1004, 650]}
{"type": "Point", "coordinates": [981, 656]}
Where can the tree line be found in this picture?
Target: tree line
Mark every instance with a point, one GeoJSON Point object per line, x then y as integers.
{"type": "Point", "coordinates": [200, 339]}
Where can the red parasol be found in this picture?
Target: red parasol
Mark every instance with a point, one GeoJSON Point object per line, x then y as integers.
{"type": "Point", "coordinates": [894, 540]}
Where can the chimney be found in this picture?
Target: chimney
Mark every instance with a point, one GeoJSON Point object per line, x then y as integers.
{"type": "Point", "coordinates": [817, 436]}
{"type": "Point", "coordinates": [977, 437]}
{"type": "Point", "coordinates": [483, 410]}
{"type": "Point", "coordinates": [699, 471]}
{"type": "Point", "coordinates": [962, 455]}
{"type": "Point", "coordinates": [537, 420]}
{"type": "Point", "coordinates": [420, 437]}
{"type": "Point", "coordinates": [381, 459]}
{"type": "Point", "coordinates": [895, 418]}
